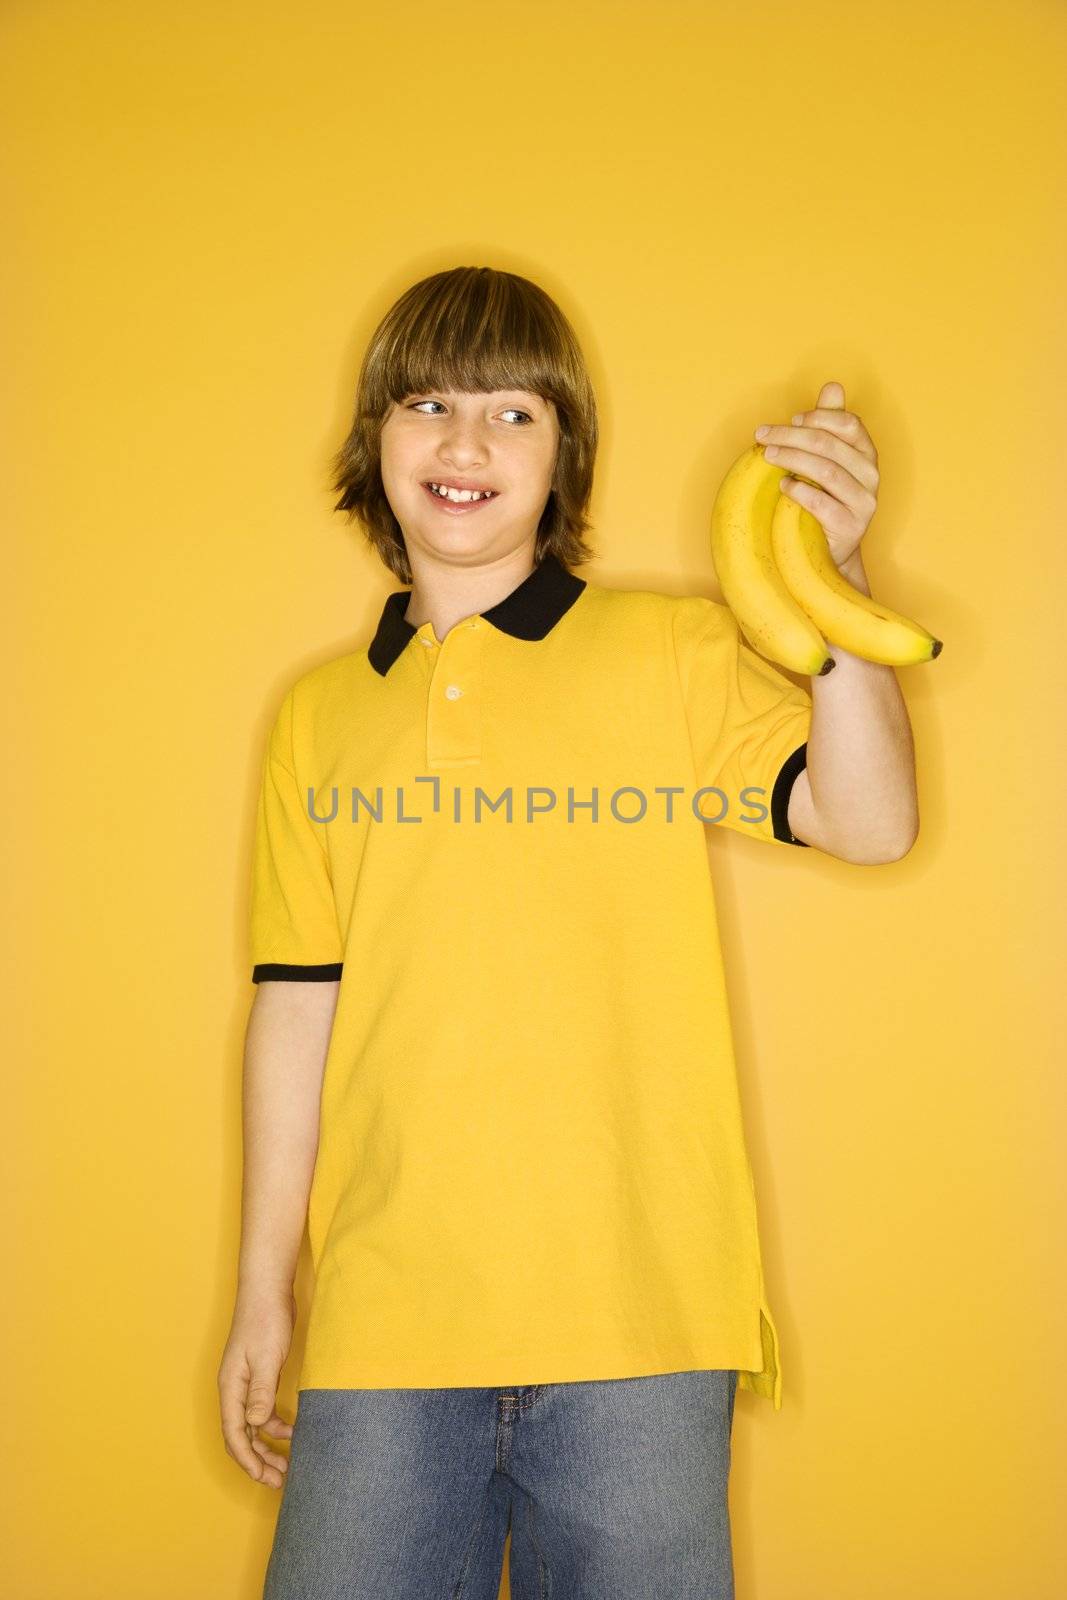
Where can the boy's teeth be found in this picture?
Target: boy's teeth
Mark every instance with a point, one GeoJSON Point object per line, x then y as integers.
{"type": "Point", "coordinates": [459, 494]}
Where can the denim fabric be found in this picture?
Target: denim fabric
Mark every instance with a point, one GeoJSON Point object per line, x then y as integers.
{"type": "Point", "coordinates": [613, 1490]}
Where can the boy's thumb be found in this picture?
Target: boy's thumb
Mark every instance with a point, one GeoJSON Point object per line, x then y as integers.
{"type": "Point", "coordinates": [257, 1408]}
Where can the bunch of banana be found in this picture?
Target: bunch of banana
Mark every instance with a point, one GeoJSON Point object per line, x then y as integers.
{"type": "Point", "coordinates": [780, 581]}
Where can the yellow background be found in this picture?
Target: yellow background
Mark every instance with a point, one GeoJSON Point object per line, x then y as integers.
{"type": "Point", "coordinates": [207, 209]}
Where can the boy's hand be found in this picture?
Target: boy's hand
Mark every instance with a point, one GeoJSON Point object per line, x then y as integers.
{"type": "Point", "coordinates": [255, 1354]}
{"type": "Point", "coordinates": [833, 447]}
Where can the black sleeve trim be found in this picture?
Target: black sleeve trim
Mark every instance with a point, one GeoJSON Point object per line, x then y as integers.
{"type": "Point", "coordinates": [783, 785]}
{"type": "Point", "coordinates": [269, 971]}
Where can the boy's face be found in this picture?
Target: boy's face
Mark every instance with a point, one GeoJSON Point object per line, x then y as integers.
{"type": "Point", "coordinates": [505, 441]}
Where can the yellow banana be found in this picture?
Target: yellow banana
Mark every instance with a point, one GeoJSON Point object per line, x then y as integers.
{"type": "Point", "coordinates": [766, 612]}
{"type": "Point", "coordinates": [842, 612]}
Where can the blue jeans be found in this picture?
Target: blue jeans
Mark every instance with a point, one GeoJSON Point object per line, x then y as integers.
{"type": "Point", "coordinates": [612, 1490]}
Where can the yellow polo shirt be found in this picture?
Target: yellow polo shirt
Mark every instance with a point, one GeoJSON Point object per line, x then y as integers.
{"type": "Point", "coordinates": [531, 1163]}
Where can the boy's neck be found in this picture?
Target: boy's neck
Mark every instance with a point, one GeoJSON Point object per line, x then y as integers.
{"type": "Point", "coordinates": [444, 595]}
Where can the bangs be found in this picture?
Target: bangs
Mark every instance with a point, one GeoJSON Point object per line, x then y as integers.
{"type": "Point", "coordinates": [474, 337]}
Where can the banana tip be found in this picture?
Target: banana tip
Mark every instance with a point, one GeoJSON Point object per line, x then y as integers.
{"type": "Point", "coordinates": [828, 665]}
{"type": "Point", "coordinates": [935, 649]}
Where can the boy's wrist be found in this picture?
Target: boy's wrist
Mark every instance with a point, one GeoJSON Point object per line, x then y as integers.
{"type": "Point", "coordinates": [253, 1297]}
{"type": "Point", "coordinates": [264, 1283]}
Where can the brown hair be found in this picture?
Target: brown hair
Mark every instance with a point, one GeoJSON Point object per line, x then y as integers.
{"type": "Point", "coordinates": [474, 330]}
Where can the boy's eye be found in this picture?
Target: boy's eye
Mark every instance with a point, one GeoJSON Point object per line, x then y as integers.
{"type": "Point", "coordinates": [514, 409]}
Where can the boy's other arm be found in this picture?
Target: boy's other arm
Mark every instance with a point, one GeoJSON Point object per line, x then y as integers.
{"type": "Point", "coordinates": [286, 1043]}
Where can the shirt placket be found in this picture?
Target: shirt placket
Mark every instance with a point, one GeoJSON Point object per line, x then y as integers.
{"type": "Point", "coordinates": [454, 697]}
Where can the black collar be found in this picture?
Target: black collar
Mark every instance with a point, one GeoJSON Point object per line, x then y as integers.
{"type": "Point", "coordinates": [528, 612]}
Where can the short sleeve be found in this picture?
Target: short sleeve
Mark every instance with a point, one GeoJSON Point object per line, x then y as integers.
{"type": "Point", "coordinates": [748, 724]}
{"type": "Point", "coordinates": [293, 919]}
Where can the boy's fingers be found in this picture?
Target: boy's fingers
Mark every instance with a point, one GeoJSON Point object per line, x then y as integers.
{"type": "Point", "coordinates": [233, 1432]}
{"type": "Point", "coordinates": [277, 1427]}
{"type": "Point", "coordinates": [272, 1456]}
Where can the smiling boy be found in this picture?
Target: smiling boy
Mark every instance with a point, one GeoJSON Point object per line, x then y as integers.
{"type": "Point", "coordinates": [489, 1054]}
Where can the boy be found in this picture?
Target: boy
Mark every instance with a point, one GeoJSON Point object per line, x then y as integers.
{"type": "Point", "coordinates": [489, 1054]}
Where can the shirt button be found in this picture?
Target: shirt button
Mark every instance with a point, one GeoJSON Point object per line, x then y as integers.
{"type": "Point", "coordinates": [453, 691]}
{"type": "Point", "coordinates": [426, 642]}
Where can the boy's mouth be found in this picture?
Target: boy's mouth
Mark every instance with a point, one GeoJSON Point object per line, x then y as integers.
{"type": "Point", "coordinates": [458, 500]}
